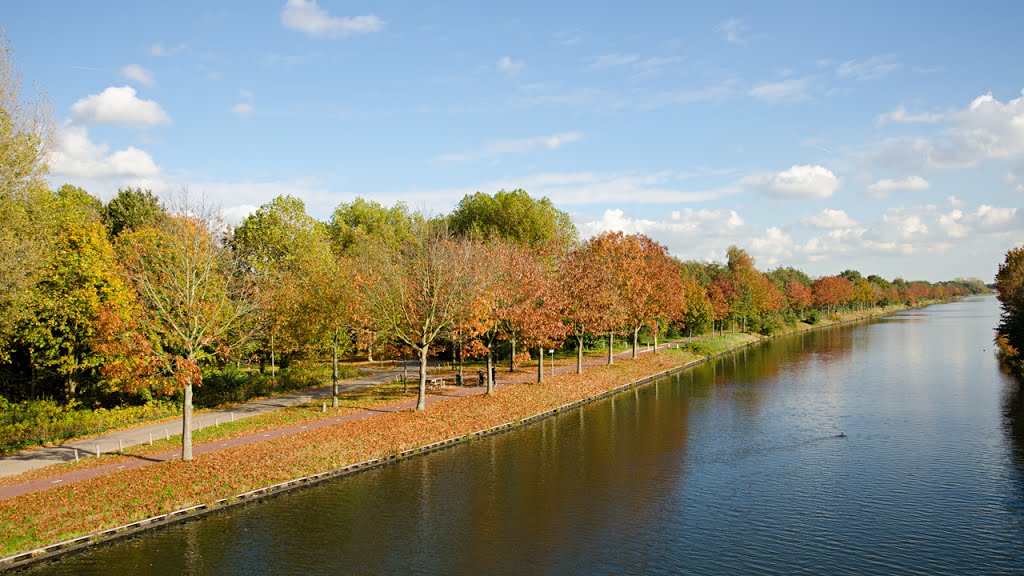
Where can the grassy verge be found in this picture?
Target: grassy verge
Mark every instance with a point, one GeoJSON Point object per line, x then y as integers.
{"type": "Point", "coordinates": [64, 512]}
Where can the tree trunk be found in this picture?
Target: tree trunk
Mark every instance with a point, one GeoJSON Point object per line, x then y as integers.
{"type": "Point", "coordinates": [186, 424]}
{"type": "Point", "coordinates": [655, 337]}
{"type": "Point", "coordinates": [70, 388]}
{"type": "Point", "coordinates": [490, 381]}
{"type": "Point", "coordinates": [272, 362]}
{"type": "Point", "coordinates": [579, 354]}
{"type": "Point", "coordinates": [421, 400]}
{"type": "Point", "coordinates": [540, 364]}
{"type": "Point", "coordinates": [334, 374]}
{"type": "Point", "coordinates": [636, 335]}
{"type": "Point", "coordinates": [369, 352]}
{"type": "Point", "coordinates": [611, 349]}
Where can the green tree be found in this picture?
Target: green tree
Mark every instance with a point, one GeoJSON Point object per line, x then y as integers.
{"type": "Point", "coordinates": [80, 284]}
{"type": "Point", "coordinates": [132, 209]}
{"type": "Point", "coordinates": [513, 216]}
{"type": "Point", "coordinates": [356, 223]}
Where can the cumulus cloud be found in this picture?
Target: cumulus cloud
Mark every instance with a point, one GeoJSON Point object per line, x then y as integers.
{"type": "Point", "coordinates": [138, 74]}
{"type": "Point", "coordinates": [119, 105]}
{"type": "Point", "coordinates": [687, 233]}
{"type": "Point", "coordinates": [886, 186]}
{"type": "Point", "coordinates": [509, 66]}
{"type": "Point", "coordinates": [800, 181]}
{"type": "Point", "coordinates": [829, 219]}
{"type": "Point", "coordinates": [788, 90]}
{"type": "Point", "coordinates": [773, 247]}
{"type": "Point", "coordinates": [987, 129]}
{"type": "Point", "coordinates": [308, 17]}
{"type": "Point", "coordinates": [79, 157]}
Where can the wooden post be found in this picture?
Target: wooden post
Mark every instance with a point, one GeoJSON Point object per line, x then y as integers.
{"type": "Point", "coordinates": [120, 446]}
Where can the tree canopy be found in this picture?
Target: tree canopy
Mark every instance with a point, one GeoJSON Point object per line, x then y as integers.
{"type": "Point", "coordinates": [513, 216]}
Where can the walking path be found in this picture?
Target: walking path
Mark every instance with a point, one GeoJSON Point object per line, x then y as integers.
{"type": "Point", "coordinates": [31, 459]}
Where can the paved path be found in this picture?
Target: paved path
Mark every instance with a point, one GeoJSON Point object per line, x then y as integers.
{"type": "Point", "coordinates": [38, 458]}
{"type": "Point", "coordinates": [113, 441]}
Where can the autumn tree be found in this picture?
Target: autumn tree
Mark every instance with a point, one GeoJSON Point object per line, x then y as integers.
{"type": "Point", "coordinates": [831, 291]}
{"type": "Point", "coordinates": [799, 296]}
{"type": "Point", "coordinates": [192, 293]}
{"type": "Point", "coordinates": [647, 280]}
{"type": "Point", "coordinates": [589, 299]}
{"type": "Point", "coordinates": [1010, 291]}
{"type": "Point", "coordinates": [274, 245]}
{"type": "Point", "coordinates": [413, 293]}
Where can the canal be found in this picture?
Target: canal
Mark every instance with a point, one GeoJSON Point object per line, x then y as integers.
{"type": "Point", "coordinates": [895, 446]}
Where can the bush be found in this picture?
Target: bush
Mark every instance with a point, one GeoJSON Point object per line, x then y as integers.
{"type": "Point", "coordinates": [813, 317]}
{"type": "Point", "coordinates": [45, 421]}
{"type": "Point", "coordinates": [701, 348]}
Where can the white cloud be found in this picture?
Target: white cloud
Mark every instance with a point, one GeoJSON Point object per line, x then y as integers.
{"type": "Point", "coordinates": [119, 105]}
{"type": "Point", "coordinates": [829, 219]}
{"type": "Point", "coordinates": [246, 106]}
{"type": "Point", "coordinates": [987, 129]}
{"type": "Point", "coordinates": [801, 181]}
{"type": "Point", "coordinates": [788, 90]}
{"type": "Point", "coordinates": [78, 156]}
{"type": "Point", "coordinates": [138, 74]}
{"type": "Point", "coordinates": [510, 66]}
{"type": "Point", "coordinates": [773, 247]}
{"type": "Point", "coordinates": [870, 69]}
{"type": "Point", "coordinates": [308, 17]}
{"type": "Point", "coordinates": [900, 115]}
{"type": "Point", "coordinates": [886, 186]}
{"type": "Point", "coordinates": [734, 31]}
{"type": "Point", "coordinates": [614, 60]}
{"type": "Point", "coordinates": [687, 233]}
{"type": "Point", "coordinates": [516, 146]}
{"type": "Point", "coordinates": [991, 219]}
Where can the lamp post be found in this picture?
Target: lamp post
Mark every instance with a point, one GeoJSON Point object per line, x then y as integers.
{"type": "Point", "coordinates": [552, 352]}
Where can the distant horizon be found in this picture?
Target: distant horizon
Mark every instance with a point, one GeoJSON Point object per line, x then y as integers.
{"type": "Point", "coordinates": [884, 138]}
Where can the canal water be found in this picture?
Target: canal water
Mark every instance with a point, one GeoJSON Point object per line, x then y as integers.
{"type": "Point", "coordinates": [890, 447]}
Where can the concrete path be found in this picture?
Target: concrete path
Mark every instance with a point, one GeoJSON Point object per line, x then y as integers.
{"type": "Point", "coordinates": [113, 441]}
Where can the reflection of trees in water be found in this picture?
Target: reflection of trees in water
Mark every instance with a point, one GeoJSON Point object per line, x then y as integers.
{"type": "Point", "coordinates": [763, 365]}
{"type": "Point", "coordinates": [1013, 426]}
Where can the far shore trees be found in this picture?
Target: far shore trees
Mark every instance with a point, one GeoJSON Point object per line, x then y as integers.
{"type": "Point", "coordinates": [192, 293]}
{"type": "Point", "coordinates": [1010, 290]}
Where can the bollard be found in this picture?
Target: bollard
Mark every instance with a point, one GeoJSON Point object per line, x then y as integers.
{"type": "Point", "coordinates": [97, 450]}
{"type": "Point", "coordinates": [167, 435]}
{"type": "Point", "coordinates": [76, 454]}
{"type": "Point", "coordinates": [120, 446]}
{"type": "Point", "coordinates": [216, 422]}
{"type": "Point", "coordinates": [324, 409]}
{"type": "Point", "coordinates": [232, 416]}
{"type": "Point", "coordinates": [150, 438]}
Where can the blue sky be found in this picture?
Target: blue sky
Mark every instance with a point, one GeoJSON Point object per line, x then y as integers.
{"type": "Point", "coordinates": [882, 136]}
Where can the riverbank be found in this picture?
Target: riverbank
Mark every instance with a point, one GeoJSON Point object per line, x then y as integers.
{"type": "Point", "coordinates": [174, 490]}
